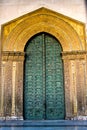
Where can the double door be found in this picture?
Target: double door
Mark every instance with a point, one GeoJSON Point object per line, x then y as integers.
{"type": "Point", "coordinates": [43, 79]}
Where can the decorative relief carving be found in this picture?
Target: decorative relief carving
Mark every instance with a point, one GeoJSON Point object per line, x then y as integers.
{"type": "Point", "coordinates": [12, 56]}
{"type": "Point", "coordinates": [17, 32]}
{"type": "Point", "coordinates": [74, 55]}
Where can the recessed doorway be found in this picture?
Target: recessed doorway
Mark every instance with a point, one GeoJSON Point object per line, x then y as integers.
{"type": "Point", "coordinates": [43, 79]}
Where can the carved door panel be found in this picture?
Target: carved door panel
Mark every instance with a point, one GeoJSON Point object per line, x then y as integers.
{"type": "Point", "coordinates": [43, 79]}
{"type": "Point", "coordinates": [54, 80]}
{"type": "Point", "coordinates": [33, 82]}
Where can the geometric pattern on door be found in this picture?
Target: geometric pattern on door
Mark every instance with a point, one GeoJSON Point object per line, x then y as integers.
{"type": "Point", "coordinates": [43, 79]}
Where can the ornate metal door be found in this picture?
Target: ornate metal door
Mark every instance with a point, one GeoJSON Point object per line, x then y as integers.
{"type": "Point", "coordinates": [43, 79]}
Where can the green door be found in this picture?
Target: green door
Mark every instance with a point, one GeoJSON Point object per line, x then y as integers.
{"type": "Point", "coordinates": [43, 79]}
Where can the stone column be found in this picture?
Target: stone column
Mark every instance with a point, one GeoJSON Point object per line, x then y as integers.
{"type": "Point", "coordinates": [17, 85]}
{"type": "Point", "coordinates": [73, 86]}
{"type": "Point", "coordinates": [68, 95]}
{"type": "Point", "coordinates": [86, 86]}
{"type": "Point", "coordinates": [19, 89]}
{"type": "Point", "coordinates": [13, 87]}
{"type": "Point", "coordinates": [0, 73]}
{"type": "Point", "coordinates": [2, 92]}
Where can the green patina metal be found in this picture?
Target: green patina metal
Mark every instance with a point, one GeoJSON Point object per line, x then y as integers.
{"type": "Point", "coordinates": [43, 79]}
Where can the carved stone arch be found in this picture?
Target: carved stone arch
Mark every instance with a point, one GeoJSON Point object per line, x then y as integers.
{"type": "Point", "coordinates": [39, 21]}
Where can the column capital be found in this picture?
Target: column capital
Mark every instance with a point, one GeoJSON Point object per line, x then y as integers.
{"type": "Point", "coordinates": [74, 55]}
{"type": "Point", "coordinates": [12, 56]}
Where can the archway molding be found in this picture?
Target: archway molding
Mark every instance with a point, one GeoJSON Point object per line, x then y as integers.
{"type": "Point", "coordinates": [42, 20]}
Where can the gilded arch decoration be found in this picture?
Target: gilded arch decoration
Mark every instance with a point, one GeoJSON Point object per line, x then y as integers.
{"type": "Point", "coordinates": [70, 32]}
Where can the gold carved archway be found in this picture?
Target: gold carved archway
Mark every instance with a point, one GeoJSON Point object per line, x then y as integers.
{"type": "Point", "coordinates": [69, 32]}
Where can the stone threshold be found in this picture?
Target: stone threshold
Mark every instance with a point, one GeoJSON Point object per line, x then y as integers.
{"type": "Point", "coordinates": [41, 123]}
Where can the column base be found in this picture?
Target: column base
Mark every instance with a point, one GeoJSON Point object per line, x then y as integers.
{"type": "Point", "coordinates": [11, 118]}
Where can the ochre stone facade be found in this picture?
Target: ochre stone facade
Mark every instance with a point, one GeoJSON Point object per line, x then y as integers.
{"type": "Point", "coordinates": [71, 35]}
